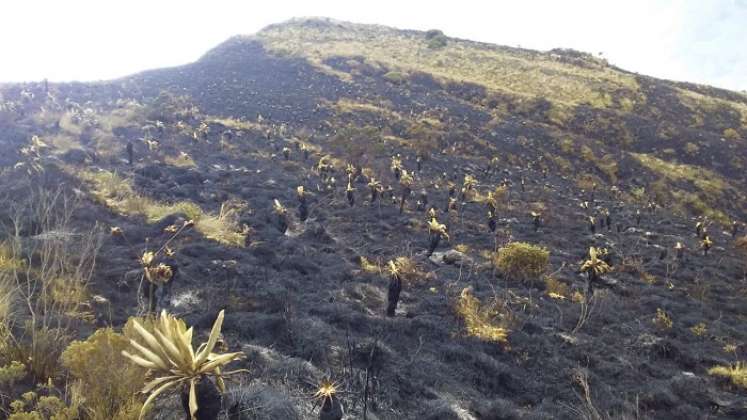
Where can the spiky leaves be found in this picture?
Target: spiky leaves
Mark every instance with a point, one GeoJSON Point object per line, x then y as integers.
{"type": "Point", "coordinates": [350, 192]}
{"type": "Point", "coordinates": [395, 287]}
{"type": "Point", "coordinates": [303, 208]}
{"type": "Point", "coordinates": [468, 187]}
{"type": "Point", "coordinates": [594, 264]}
{"type": "Point", "coordinates": [594, 267]}
{"type": "Point", "coordinates": [375, 187]}
{"type": "Point", "coordinates": [436, 231]}
{"type": "Point", "coordinates": [736, 373]}
{"type": "Point", "coordinates": [406, 181]}
{"type": "Point", "coordinates": [679, 250]}
{"type": "Point", "coordinates": [326, 394]}
{"type": "Point", "coordinates": [536, 220]}
{"type": "Point", "coordinates": [490, 201]}
{"type": "Point", "coordinates": [396, 166]}
{"type": "Point", "coordinates": [282, 215]}
{"type": "Point", "coordinates": [492, 224]}
{"type": "Point", "coordinates": [706, 244]}
{"type": "Point", "coordinates": [168, 353]}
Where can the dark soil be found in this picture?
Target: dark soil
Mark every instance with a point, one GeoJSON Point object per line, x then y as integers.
{"type": "Point", "coordinates": [301, 308]}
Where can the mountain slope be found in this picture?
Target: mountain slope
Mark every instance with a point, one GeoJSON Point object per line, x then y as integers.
{"type": "Point", "coordinates": [560, 133]}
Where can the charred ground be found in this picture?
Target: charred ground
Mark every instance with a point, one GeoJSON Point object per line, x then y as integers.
{"type": "Point", "coordinates": [309, 303]}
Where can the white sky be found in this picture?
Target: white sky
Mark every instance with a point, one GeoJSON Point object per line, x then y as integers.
{"type": "Point", "coordinates": [702, 41]}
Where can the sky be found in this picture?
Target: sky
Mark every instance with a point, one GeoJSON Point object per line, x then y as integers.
{"type": "Point", "coordinates": [701, 41]}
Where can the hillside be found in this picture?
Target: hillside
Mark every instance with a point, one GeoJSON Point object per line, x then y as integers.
{"type": "Point", "coordinates": [568, 151]}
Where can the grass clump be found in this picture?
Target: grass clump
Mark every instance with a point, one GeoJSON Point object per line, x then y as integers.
{"type": "Point", "coordinates": [117, 193]}
{"type": "Point", "coordinates": [182, 160]}
{"type": "Point", "coordinates": [556, 289]}
{"type": "Point", "coordinates": [737, 373]}
{"type": "Point", "coordinates": [525, 74]}
{"type": "Point", "coordinates": [522, 261]}
{"type": "Point", "coordinates": [710, 189]}
{"type": "Point", "coordinates": [662, 320]}
{"type": "Point", "coordinates": [9, 261]}
{"type": "Point", "coordinates": [481, 321]}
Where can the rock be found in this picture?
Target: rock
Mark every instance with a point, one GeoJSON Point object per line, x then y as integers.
{"type": "Point", "coordinates": [455, 257]}
{"type": "Point", "coordinates": [508, 221]}
{"type": "Point", "coordinates": [450, 257]}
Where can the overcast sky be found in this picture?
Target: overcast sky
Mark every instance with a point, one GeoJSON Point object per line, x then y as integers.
{"type": "Point", "coordinates": [703, 41]}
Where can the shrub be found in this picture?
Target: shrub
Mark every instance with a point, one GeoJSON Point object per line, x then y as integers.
{"type": "Point", "coordinates": [522, 261]}
{"type": "Point", "coordinates": [438, 42]}
{"type": "Point", "coordinates": [731, 134]}
{"type": "Point", "coordinates": [105, 381]}
{"type": "Point", "coordinates": [45, 407]}
{"type": "Point", "coordinates": [433, 33]}
{"type": "Point", "coordinates": [396, 77]}
{"type": "Point", "coordinates": [12, 373]}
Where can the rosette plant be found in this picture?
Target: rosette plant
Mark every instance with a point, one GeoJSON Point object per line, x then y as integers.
{"type": "Point", "coordinates": [167, 353]}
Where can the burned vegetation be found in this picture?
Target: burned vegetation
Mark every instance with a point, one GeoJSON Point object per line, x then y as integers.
{"type": "Point", "coordinates": [359, 236]}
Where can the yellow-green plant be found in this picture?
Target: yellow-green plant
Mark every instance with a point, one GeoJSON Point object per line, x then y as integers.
{"type": "Point", "coordinates": [281, 212]}
{"type": "Point", "coordinates": [303, 207]}
{"type": "Point", "coordinates": [662, 320]}
{"type": "Point", "coordinates": [706, 244]}
{"type": "Point", "coordinates": [536, 220]}
{"type": "Point", "coordinates": [168, 353]}
{"type": "Point", "coordinates": [396, 166]}
{"type": "Point", "coordinates": [326, 395]}
{"type": "Point", "coordinates": [480, 321]}
{"type": "Point", "coordinates": [594, 267]}
{"type": "Point", "coordinates": [436, 231]}
{"type": "Point", "coordinates": [33, 407]}
{"type": "Point", "coordinates": [375, 187]}
{"type": "Point", "coordinates": [105, 381]}
{"type": "Point", "coordinates": [522, 261]}
{"type": "Point", "coordinates": [736, 373]}
{"type": "Point", "coordinates": [350, 192]}
{"type": "Point", "coordinates": [406, 180]}
{"type": "Point", "coordinates": [11, 373]}
{"type": "Point", "coordinates": [395, 287]}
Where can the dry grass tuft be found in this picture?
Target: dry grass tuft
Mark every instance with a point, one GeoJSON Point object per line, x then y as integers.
{"type": "Point", "coordinates": [737, 373]}
{"type": "Point", "coordinates": [556, 289]}
{"type": "Point", "coordinates": [524, 73]}
{"type": "Point", "coordinates": [183, 160]}
{"type": "Point", "coordinates": [117, 193]}
{"type": "Point", "coordinates": [480, 321]}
